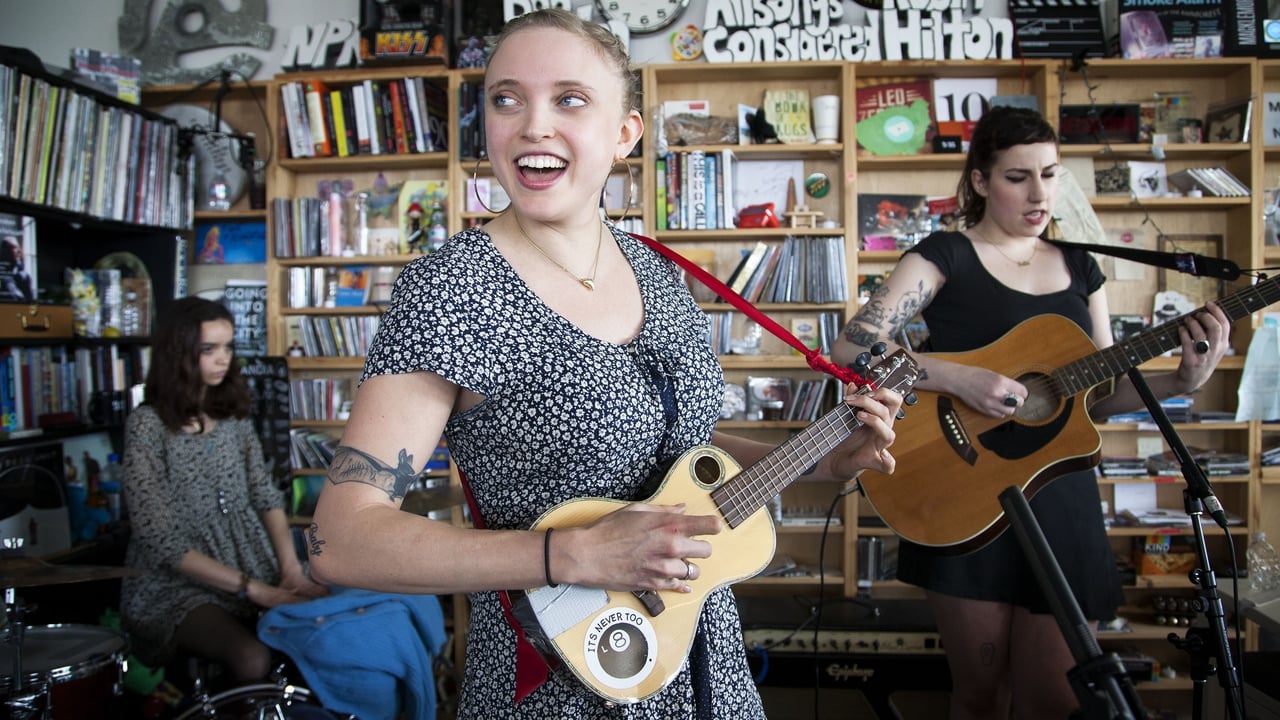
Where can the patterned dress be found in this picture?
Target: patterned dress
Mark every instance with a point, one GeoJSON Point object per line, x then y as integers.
{"type": "Point", "coordinates": [184, 491]}
{"type": "Point", "coordinates": [565, 416]}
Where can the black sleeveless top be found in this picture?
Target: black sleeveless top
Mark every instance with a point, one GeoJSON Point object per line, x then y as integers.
{"type": "Point", "coordinates": [972, 310]}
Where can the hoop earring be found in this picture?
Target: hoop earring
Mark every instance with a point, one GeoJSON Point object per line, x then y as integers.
{"type": "Point", "coordinates": [475, 187]}
{"type": "Point", "coordinates": [631, 192]}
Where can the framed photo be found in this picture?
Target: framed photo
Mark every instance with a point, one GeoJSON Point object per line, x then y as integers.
{"type": "Point", "coordinates": [231, 242]}
{"type": "Point", "coordinates": [1124, 327]}
{"type": "Point", "coordinates": [1198, 290]}
{"type": "Point", "coordinates": [1228, 122]}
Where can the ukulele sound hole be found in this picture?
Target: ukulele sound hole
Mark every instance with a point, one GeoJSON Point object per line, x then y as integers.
{"type": "Point", "coordinates": [707, 470]}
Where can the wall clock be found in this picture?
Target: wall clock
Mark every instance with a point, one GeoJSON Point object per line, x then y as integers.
{"type": "Point", "coordinates": [643, 16]}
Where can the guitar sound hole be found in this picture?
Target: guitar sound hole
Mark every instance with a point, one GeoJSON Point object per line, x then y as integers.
{"type": "Point", "coordinates": [707, 470]}
{"type": "Point", "coordinates": [1041, 404]}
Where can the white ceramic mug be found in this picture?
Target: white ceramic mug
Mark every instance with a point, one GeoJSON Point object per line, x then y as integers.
{"type": "Point", "coordinates": [826, 118]}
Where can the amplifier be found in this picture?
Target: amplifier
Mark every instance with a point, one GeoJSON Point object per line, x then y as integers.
{"type": "Point", "coordinates": [883, 684]}
{"type": "Point", "coordinates": [843, 641]}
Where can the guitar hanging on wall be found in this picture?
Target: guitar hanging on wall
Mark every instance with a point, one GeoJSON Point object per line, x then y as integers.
{"type": "Point", "coordinates": [954, 461]}
{"type": "Point", "coordinates": [627, 646]}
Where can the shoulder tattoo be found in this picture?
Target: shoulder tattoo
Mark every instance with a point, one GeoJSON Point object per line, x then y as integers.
{"type": "Point", "coordinates": [352, 465]}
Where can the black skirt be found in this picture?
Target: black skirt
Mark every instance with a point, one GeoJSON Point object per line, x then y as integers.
{"type": "Point", "coordinates": [1069, 512]}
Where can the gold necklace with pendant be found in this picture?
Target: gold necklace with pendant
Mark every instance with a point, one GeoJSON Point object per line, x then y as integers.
{"type": "Point", "coordinates": [589, 281]}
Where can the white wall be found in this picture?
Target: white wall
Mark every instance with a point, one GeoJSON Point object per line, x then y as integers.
{"type": "Point", "coordinates": [52, 28]}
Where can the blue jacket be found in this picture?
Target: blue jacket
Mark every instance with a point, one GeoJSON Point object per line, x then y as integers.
{"type": "Point", "coordinates": [365, 653]}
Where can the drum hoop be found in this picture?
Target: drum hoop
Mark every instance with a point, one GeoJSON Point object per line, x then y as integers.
{"type": "Point", "coordinates": [289, 694]}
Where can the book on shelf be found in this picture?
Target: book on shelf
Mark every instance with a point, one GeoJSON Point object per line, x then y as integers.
{"type": "Point", "coordinates": [351, 285]}
{"type": "Point", "coordinates": [247, 301]}
{"type": "Point", "coordinates": [746, 267]}
{"type": "Point", "coordinates": [896, 117]}
{"type": "Point", "coordinates": [360, 115]}
{"type": "Point", "coordinates": [471, 142]}
{"type": "Point", "coordinates": [338, 111]}
{"type": "Point", "coordinates": [787, 110]}
{"type": "Point", "coordinates": [114, 74]}
{"type": "Point", "coordinates": [696, 187]}
{"type": "Point", "coordinates": [319, 118]}
{"type": "Point", "coordinates": [1214, 181]}
{"type": "Point", "coordinates": [18, 259]}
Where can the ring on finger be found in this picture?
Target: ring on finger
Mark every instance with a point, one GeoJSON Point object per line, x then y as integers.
{"type": "Point", "coordinates": [1202, 346]}
{"type": "Point", "coordinates": [1010, 400]}
{"type": "Point", "coordinates": [688, 570]}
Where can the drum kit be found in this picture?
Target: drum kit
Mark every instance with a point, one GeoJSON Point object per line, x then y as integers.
{"type": "Point", "coordinates": [52, 672]}
{"type": "Point", "coordinates": [76, 672]}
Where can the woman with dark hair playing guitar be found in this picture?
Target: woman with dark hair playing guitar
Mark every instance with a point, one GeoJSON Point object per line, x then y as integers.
{"type": "Point", "coordinates": [1005, 309]}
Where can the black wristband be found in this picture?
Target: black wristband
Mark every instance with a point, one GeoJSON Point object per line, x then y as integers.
{"type": "Point", "coordinates": [546, 557]}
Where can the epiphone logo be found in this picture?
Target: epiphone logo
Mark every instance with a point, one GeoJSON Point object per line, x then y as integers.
{"type": "Point", "coordinates": [845, 673]}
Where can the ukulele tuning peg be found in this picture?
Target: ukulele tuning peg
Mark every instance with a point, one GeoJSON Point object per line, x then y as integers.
{"type": "Point", "coordinates": [879, 349]}
{"type": "Point", "coordinates": [910, 399]}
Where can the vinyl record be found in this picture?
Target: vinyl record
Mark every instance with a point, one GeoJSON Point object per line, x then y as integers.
{"type": "Point", "coordinates": [213, 153]}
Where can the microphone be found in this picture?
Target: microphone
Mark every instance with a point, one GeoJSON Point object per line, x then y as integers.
{"type": "Point", "coordinates": [1189, 263]}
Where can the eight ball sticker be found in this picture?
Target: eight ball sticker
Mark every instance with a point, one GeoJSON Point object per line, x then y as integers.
{"type": "Point", "coordinates": [620, 647]}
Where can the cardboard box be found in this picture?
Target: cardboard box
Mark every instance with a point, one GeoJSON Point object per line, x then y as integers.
{"type": "Point", "coordinates": [1165, 555]}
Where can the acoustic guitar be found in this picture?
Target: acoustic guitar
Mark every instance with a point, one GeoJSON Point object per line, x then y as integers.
{"type": "Point", "coordinates": [953, 461]}
{"type": "Point", "coordinates": [627, 646]}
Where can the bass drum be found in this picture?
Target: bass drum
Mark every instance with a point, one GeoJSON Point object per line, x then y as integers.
{"type": "Point", "coordinates": [262, 702]}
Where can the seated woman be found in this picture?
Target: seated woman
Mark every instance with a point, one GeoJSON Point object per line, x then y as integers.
{"type": "Point", "coordinates": [207, 521]}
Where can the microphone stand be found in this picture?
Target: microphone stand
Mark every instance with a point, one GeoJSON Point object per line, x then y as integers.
{"type": "Point", "coordinates": [1099, 680]}
{"type": "Point", "coordinates": [1204, 645]}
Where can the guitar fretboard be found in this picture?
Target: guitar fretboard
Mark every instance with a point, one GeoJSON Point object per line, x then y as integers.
{"type": "Point", "coordinates": [751, 489]}
{"type": "Point", "coordinates": [1091, 370]}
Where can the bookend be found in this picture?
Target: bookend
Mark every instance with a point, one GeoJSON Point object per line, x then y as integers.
{"type": "Point", "coordinates": [1100, 682]}
{"type": "Point", "coordinates": [1205, 645]}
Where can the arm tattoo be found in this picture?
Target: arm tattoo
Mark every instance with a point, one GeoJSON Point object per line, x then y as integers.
{"type": "Point", "coordinates": [909, 307]}
{"type": "Point", "coordinates": [352, 465]}
{"type": "Point", "coordinates": [313, 539]}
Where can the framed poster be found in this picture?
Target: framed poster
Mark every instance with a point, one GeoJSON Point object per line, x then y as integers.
{"type": "Point", "coordinates": [1198, 290]}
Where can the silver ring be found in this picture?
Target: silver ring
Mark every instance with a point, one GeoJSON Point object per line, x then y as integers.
{"type": "Point", "coordinates": [688, 570]}
{"type": "Point", "coordinates": [1011, 400]}
{"type": "Point", "coordinates": [1202, 346]}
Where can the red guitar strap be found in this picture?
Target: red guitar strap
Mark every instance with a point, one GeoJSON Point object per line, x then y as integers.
{"type": "Point", "coordinates": [531, 666]}
{"type": "Point", "coordinates": [812, 356]}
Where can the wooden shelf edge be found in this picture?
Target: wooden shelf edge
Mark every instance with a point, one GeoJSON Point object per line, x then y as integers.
{"type": "Point", "coordinates": [347, 260]}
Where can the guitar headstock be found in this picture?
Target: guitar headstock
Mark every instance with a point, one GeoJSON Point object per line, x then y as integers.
{"type": "Point", "coordinates": [898, 372]}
